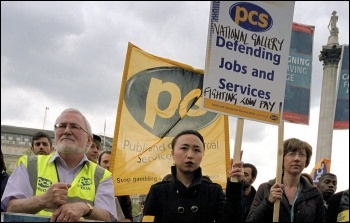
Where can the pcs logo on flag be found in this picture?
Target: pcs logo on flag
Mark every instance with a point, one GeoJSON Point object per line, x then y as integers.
{"type": "Point", "coordinates": [165, 98]}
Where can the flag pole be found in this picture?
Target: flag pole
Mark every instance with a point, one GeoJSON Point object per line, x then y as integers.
{"type": "Point", "coordinates": [104, 137]}
{"type": "Point", "coordinates": [47, 108]}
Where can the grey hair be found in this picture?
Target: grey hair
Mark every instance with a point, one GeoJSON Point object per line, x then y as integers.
{"type": "Point", "coordinates": [88, 126]}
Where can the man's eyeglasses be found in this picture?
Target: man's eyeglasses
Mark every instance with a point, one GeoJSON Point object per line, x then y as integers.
{"type": "Point", "coordinates": [72, 126]}
{"type": "Point", "coordinates": [293, 154]}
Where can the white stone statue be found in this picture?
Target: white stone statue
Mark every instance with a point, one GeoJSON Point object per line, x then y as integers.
{"type": "Point", "coordinates": [332, 26]}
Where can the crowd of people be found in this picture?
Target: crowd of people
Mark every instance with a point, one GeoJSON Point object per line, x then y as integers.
{"type": "Point", "coordinates": [71, 181]}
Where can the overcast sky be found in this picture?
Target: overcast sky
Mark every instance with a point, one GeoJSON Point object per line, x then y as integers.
{"type": "Point", "coordinates": [72, 54]}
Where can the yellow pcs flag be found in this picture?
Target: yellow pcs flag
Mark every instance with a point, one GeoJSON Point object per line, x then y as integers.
{"type": "Point", "coordinates": [323, 166]}
{"type": "Point", "coordinates": [158, 99]}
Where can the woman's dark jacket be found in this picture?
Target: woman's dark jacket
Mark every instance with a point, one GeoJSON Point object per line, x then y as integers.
{"type": "Point", "coordinates": [308, 206]}
{"type": "Point", "coordinates": [202, 201]}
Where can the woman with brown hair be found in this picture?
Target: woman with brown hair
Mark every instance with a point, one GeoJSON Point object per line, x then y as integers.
{"type": "Point", "coordinates": [300, 200]}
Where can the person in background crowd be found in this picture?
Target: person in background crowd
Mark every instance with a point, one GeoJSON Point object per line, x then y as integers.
{"type": "Point", "coordinates": [300, 200]}
{"type": "Point", "coordinates": [64, 185]}
{"type": "Point", "coordinates": [250, 173]}
{"type": "Point", "coordinates": [104, 159]}
{"type": "Point", "coordinates": [4, 176]}
{"type": "Point", "coordinates": [93, 152]}
{"type": "Point", "coordinates": [138, 217]}
{"type": "Point", "coordinates": [188, 197]}
{"type": "Point", "coordinates": [41, 144]}
{"type": "Point", "coordinates": [327, 184]}
{"type": "Point", "coordinates": [338, 207]}
{"type": "Point", "coordinates": [124, 200]}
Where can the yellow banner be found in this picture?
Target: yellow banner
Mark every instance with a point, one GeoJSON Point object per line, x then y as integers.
{"type": "Point", "coordinates": [323, 166]}
{"type": "Point", "coordinates": [158, 99]}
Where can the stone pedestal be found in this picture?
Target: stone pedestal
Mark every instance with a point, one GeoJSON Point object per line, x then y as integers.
{"type": "Point", "coordinates": [333, 40]}
{"type": "Point", "coordinates": [330, 55]}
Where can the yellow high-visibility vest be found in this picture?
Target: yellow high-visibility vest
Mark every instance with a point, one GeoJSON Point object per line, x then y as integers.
{"type": "Point", "coordinates": [42, 174]}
